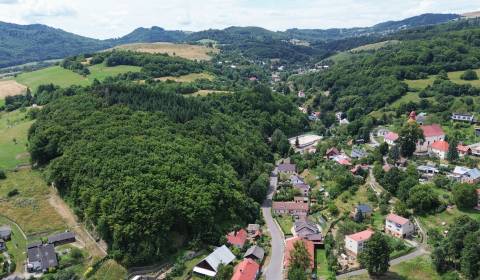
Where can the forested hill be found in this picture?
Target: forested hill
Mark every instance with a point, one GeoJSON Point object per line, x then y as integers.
{"type": "Point", "coordinates": [27, 43]}
{"type": "Point", "coordinates": [152, 180]}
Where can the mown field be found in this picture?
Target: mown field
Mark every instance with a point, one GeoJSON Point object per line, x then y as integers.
{"type": "Point", "coordinates": [110, 270]}
{"type": "Point", "coordinates": [192, 52]}
{"type": "Point", "coordinates": [13, 139]}
{"type": "Point", "coordinates": [10, 87]}
{"type": "Point", "coordinates": [64, 78]}
{"type": "Point", "coordinates": [454, 77]}
{"type": "Point", "coordinates": [188, 78]}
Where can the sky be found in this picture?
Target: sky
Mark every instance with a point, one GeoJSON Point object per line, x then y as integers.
{"type": "Point", "coordinates": [114, 18]}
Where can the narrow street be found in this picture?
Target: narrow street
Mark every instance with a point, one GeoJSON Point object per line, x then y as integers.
{"type": "Point", "coordinates": [273, 271]}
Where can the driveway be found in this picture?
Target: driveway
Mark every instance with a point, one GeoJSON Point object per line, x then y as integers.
{"type": "Point", "coordinates": [274, 270]}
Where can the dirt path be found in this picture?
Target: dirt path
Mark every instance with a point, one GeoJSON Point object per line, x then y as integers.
{"type": "Point", "coordinates": [96, 249]}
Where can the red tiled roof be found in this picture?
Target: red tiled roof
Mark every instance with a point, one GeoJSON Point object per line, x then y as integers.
{"type": "Point", "coordinates": [432, 130]}
{"type": "Point", "coordinates": [397, 219]}
{"type": "Point", "coordinates": [246, 270]}
{"type": "Point", "coordinates": [289, 205]}
{"type": "Point", "coordinates": [392, 136]}
{"type": "Point", "coordinates": [289, 247]}
{"type": "Point", "coordinates": [463, 149]}
{"type": "Point", "coordinates": [363, 235]}
{"type": "Point", "coordinates": [440, 146]}
{"type": "Point", "coordinates": [237, 238]}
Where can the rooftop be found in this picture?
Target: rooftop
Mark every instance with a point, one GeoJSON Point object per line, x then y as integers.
{"type": "Point", "coordinates": [237, 238]}
{"type": "Point", "coordinates": [392, 136]}
{"type": "Point", "coordinates": [440, 146]}
{"type": "Point", "coordinates": [360, 236]}
{"type": "Point", "coordinates": [246, 270]}
{"type": "Point", "coordinates": [289, 245]}
{"type": "Point", "coordinates": [289, 205]}
{"type": "Point", "coordinates": [432, 130]}
{"type": "Point", "coordinates": [287, 167]}
{"type": "Point", "coordinates": [397, 219]}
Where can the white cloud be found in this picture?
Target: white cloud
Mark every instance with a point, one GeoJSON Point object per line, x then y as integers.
{"type": "Point", "coordinates": [113, 18]}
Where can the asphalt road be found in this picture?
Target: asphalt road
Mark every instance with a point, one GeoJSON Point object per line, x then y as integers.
{"type": "Point", "coordinates": [274, 270]}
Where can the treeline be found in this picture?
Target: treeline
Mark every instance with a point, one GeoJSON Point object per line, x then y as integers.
{"type": "Point", "coordinates": [77, 64]}
{"type": "Point", "coordinates": [152, 170]}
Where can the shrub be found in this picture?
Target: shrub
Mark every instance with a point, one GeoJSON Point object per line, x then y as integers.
{"type": "Point", "coordinates": [469, 75]}
{"type": "Point", "coordinates": [13, 193]}
{"type": "Point", "coordinates": [3, 175]}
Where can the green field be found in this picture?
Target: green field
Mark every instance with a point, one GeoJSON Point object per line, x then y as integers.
{"type": "Point", "coordinates": [64, 78]}
{"type": "Point", "coordinates": [16, 246]}
{"type": "Point", "coordinates": [321, 263]}
{"type": "Point", "coordinates": [110, 270]}
{"type": "Point", "coordinates": [189, 265]}
{"type": "Point", "coordinates": [375, 46]}
{"type": "Point", "coordinates": [13, 139]}
{"type": "Point", "coordinates": [286, 224]}
{"type": "Point", "coordinates": [454, 77]}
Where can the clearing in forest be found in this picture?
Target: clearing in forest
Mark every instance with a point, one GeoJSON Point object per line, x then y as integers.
{"type": "Point", "coordinates": [11, 87]}
{"type": "Point", "coordinates": [192, 52]}
{"type": "Point", "coordinates": [188, 78]}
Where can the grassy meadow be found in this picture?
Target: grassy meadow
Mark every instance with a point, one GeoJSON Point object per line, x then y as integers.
{"type": "Point", "coordinates": [454, 77]}
{"type": "Point", "coordinates": [65, 78]}
{"type": "Point", "coordinates": [188, 78]}
{"type": "Point", "coordinates": [192, 52]}
{"type": "Point", "coordinates": [13, 139]}
{"type": "Point", "coordinates": [110, 270]}
{"type": "Point", "coordinates": [16, 246]}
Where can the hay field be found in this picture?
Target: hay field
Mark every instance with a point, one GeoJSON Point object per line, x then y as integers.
{"type": "Point", "coordinates": [187, 78]}
{"type": "Point", "coordinates": [11, 87]}
{"type": "Point", "coordinates": [192, 52]}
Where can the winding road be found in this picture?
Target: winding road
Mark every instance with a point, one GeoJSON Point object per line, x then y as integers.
{"type": "Point", "coordinates": [273, 271]}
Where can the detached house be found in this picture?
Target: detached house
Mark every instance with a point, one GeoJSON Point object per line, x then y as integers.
{"type": "Point", "coordinates": [248, 269]}
{"type": "Point", "coordinates": [354, 243]}
{"type": "Point", "coordinates": [290, 207]}
{"type": "Point", "coordinates": [464, 150]}
{"type": "Point", "coordinates": [309, 231]}
{"type": "Point", "coordinates": [210, 264]}
{"type": "Point", "coordinates": [463, 117]}
{"type": "Point", "coordinates": [332, 152]}
{"type": "Point", "coordinates": [390, 138]}
{"type": "Point", "coordinates": [289, 246]}
{"type": "Point", "coordinates": [439, 149]}
{"type": "Point", "coordinates": [287, 168]}
{"type": "Point", "coordinates": [399, 226]}
{"type": "Point", "coordinates": [472, 176]}
{"type": "Point", "coordinates": [41, 257]}
{"type": "Point", "coordinates": [432, 133]}
{"type": "Point", "coordinates": [237, 238]}
{"type": "Point", "coordinates": [5, 233]}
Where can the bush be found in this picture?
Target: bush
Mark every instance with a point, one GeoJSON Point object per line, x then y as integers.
{"type": "Point", "coordinates": [469, 75]}
{"type": "Point", "coordinates": [3, 175]}
{"type": "Point", "coordinates": [13, 193]}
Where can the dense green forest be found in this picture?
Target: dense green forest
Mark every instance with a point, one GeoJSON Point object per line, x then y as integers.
{"type": "Point", "coordinates": [147, 166]}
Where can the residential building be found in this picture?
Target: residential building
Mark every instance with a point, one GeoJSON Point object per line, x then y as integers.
{"type": "Point", "coordinates": [390, 138]}
{"type": "Point", "coordinates": [41, 257]}
{"type": "Point", "coordinates": [427, 170]}
{"type": "Point", "coordinates": [14, 277]}
{"type": "Point", "coordinates": [248, 269]}
{"type": "Point", "coordinates": [303, 188]}
{"type": "Point", "coordinates": [289, 207]}
{"type": "Point", "coordinates": [3, 245]}
{"type": "Point", "coordinates": [62, 238]}
{"type": "Point", "coordinates": [421, 118]}
{"type": "Point", "coordinates": [301, 94]}
{"type": "Point", "coordinates": [342, 160]}
{"type": "Point", "coordinates": [381, 132]}
{"type": "Point", "coordinates": [237, 238]}
{"type": "Point", "coordinates": [363, 209]}
{"type": "Point", "coordinates": [304, 141]}
{"type": "Point", "coordinates": [309, 231]}
{"type": "Point", "coordinates": [439, 149]}
{"type": "Point", "coordinates": [472, 176]}
{"type": "Point", "coordinates": [464, 150]}
{"type": "Point", "coordinates": [399, 226]}
{"type": "Point", "coordinates": [287, 168]}
{"type": "Point", "coordinates": [255, 253]}
{"type": "Point", "coordinates": [358, 153]}
{"type": "Point", "coordinates": [332, 152]}
{"type": "Point", "coordinates": [295, 180]}
{"type": "Point", "coordinates": [354, 243]}
{"type": "Point", "coordinates": [5, 232]}
{"type": "Point", "coordinates": [463, 117]}
{"type": "Point", "coordinates": [432, 133]}
{"type": "Point", "coordinates": [209, 265]}
{"type": "Point", "coordinates": [254, 231]}
{"type": "Point", "coordinates": [289, 246]}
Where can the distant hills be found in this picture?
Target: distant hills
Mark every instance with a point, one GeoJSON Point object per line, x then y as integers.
{"type": "Point", "coordinates": [28, 43]}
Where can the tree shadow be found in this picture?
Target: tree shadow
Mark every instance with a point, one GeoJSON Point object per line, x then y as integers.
{"type": "Point", "coordinates": [388, 276]}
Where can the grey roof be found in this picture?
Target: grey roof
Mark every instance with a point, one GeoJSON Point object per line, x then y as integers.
{"type": "Point", "coordinates": [5, 231]}
{"type": "Point", "coordinates": [34, 244]}
{"type": "Point", "coordinates": [255, 251]}
{"type": "Point", "coordinates": [220, 255]}
{"type": "Point", "coordinates": [364, 208]}
{"type": "Point", "coordinates": [64, 236]}
{"type": "Point", "coordinates": [305, 224]}
{"type": "Point", "coordinates": [43, 255]}
{"type": "Point", "coordinates": [425, 168]}
{"type": "Point", "coordinates": [302, 187]}
{"type": "Point", "coordinates": [13, 277]}
{"type": "Point", "coordinates": [287, 167]}
{"type": "Point", "coordinates": [358, 153]}
{"type": "Point", "coordinates": [295, 179]}
{"type": "Point", "coordinates": [473, 173]}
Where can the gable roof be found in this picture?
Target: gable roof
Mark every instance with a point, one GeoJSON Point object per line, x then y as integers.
{"type": "Point", "coordinates": [5, 231]}
{"type": "Point", "coordinates": [246, 270]}
{"type": "Point", "coordinates": [333, 150]}
{"type": "Point", "coordinates": [364, 208]}
{"type": "Point", "coordinates": [397, 219]}
{"type": "Point", "coordinates": [61, 237]}
{"type": "Point", "coordinates": [43, 255]}
{"type": "Point", "coordinates": [461, 170]}
{"type": "Point", "coordinates": [473, 173]}
{"type": "Point", "coordinates": [440, 146]}
{"type": "Point", "coordinates": [287, 167]}
{"type": "Point", "coordinates": [289, 205]}
{"type": "Point", "coordinates": [306, 225]}
{"type": "Point", "coordinates": [362, 235]}
{"type": "Point", "coordinates": [220, 255]}
{"type": "Point", "coordinates": [463, 148]}
{"type": "Point", "coordinates": [237, 238]}
{"type": "Point", "coordinates": [289, 245]}
{"type": "Point", "coordinates": [392, 136]}
{"type": "Point", "coordinates": [432, 130]}
{"type": "Point", "coordinates": [255, 251]}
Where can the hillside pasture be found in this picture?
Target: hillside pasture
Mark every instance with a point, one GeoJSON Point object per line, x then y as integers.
{"type": "Point", "coordinates": [375, 46]}
{"type": "Point", "coordinates": [65, 78]}
{"type": "Point", "coordinates": [187, 78]}
{"type": "Point", "coordinates": [192, 52]}
{"type": "Point", "coordinates": [453, 76]}
{"type": "Point", "coordinates": [205, 92]}
{"type": "Point", "coordinates": [11, 87]}
{"type": "Point", "coordinates": [13, 139]}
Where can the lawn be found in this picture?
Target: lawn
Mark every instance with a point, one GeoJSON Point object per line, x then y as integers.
{"type": "Point", "coordinates": [321, 263]}
{"type": "Point", "coordinates": [447, 217]}
{"type": "Point", "coordinates": [188, 78]}
{"type": "Point", "coordinates": [417, 269]}
{"type": "Point", "coordinates": [189, 266]}
{"type": "Point", "coordinates": [346, 201]}
{"type": "Point", "coordinates": [375, 46]}
{"type": "Point", "coordinates": [420, 84]}
{"type": "Point", "coordinates": [30, 207]}
{"type": "Point", "coordinates": [16, 246]}
{"type": "Point", "coordinates": [64, 78]}
{"type": "Point", "coordinates": [13, 139]}
{"type": "Point", "coordinates": [286, 224]}
{"type": "Point", "coordinates": [110, 270]}
{"type": "Point", "coordinates": [409, 97]}
{"type": "Point", "coordinates": [454, 77]}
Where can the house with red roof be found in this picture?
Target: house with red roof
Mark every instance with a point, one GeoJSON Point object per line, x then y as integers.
{"type": "Point", "coordinates": [463, 150]}
{"type": "Point", "coordinates": [237, 238]}
{"type": "Point", "coordinates": [432, 133]}
{"type": "Point", "coordinates": [354, 243]}
{"type": "Point", "coordinates": [248, 269]}
{"type": "Point", "coordinates": [399, 226]}
{"type": "Point", "coordinates": [289, 246]}
{"type": "Point", "coordinates": [390, 138]}
{"type": "Point", "coordinates": [332, 152]}
{"type": "Point", "coordinates": [439, 149]}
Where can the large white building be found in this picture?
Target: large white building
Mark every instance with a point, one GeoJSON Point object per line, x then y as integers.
{"type": "Point", "coordinates": [354, 243]}
{"type": "Point", "coordinates": [399, 226]}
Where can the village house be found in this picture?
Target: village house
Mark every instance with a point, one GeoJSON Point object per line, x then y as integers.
{"type": "Point", "coordinates": [287, 168]}
{"type": "Point", "coordinates": [427, 170]}
{"type": "Point", "coordinates": [421, 118]}
{"type": "Point", "coordinates": [342, 160]}
{"type": "Point", "coordinates": [390, 138]}
{"type": "Point", "coordinates": [5, 232]}
{"type": "Point", "coordinates": [381, 132]}
{"type": "Point", "coordinates": [62, 238]}
{"type": "Point", "coordinates": [332, 152]}
{"type": "Point", "coordinates": [41, 257]}
{"type": "Point", "coordinates": [463, 150]}
{"type": "Point", "coordinates": [247, 269]}
{"type": "Point", "coordinates": [309, 231]}
{"type": "Point", "coordinates": [354, 243]}
{"type": "Point", "coordinates": [209, 265]}
{"type": "Point", "coordinates": [301, 94]}
{"type": "Point", "coordinates": [297, 209]}
{"type": "Point", "coordinates": [237, 238]}
{"type": "Point", "coordinates": [358, 153]}
{"type": "Point", "coordinates": [256, 253]}
{"type": "Point", "coordinates": [253, 231]}
{"type": "Point", "coordinates": [295, 179]}
{"type": "Point", "coordinates": [463, 117]}
{"type": "Point", "coordinates": [303, 188]}
{"type": "Point", "coordinates": [289, 245]}
{"type": "Point", "coordinates": [432, 133]}
{"type": "Point", "coordinates": [439, 149]}
{"type": "Point", "coordinates": [361, 209]}
{"type": "Point", "coordinates": [399, 226]}
{"type": "Point", "coordinates": [472, 176]}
